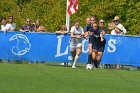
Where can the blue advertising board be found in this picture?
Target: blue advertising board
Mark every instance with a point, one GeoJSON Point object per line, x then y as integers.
{"type": "Point", "coordinates": [52, 47]}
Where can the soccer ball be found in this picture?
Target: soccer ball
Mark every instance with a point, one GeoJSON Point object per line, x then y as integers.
{"type": "Point", "coordinates": [89, 67]}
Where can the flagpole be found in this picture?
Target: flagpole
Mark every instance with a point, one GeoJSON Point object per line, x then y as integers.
{"type": "Point", "coordinates": [67, 17]}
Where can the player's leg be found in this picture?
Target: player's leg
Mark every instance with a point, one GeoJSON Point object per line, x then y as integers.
{"type": "Point", "coordinates": [90, 43]}
{"type": "Point", "coordinates": [99, 57]}
{"type": "Point", "coordinates": [89, 63]}
{"type": "Point", "coordinates": [94, 53]}
{"type": "Point", "coordinates": [73, 51]}
{"type": "Point", "coordinates": [101, 47]}
{"type": "Point", "coordinates": [89, 55]}
{"type": "Point", "coordinates": [94, 58]}
{"type": "Point", "coordinates": [78, 52]}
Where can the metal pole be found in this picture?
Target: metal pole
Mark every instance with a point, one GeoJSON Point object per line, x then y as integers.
{"type": "Point", "coordinates": [67, 18]}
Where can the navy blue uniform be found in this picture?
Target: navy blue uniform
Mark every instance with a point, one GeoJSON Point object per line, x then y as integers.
{"type": "Point", "coordinates": [96, 42]}
{"type": "Point", "coordinates": [89, 28]}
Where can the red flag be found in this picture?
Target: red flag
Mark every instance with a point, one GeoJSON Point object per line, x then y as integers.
{"type": "Point", "coordinates": [72, 6]}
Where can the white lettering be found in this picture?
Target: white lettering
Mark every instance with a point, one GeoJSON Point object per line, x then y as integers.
{"type": "Point", "coordinates": [111, 46]}
{"type": "Point", "coordinates": [83, 46]}
{"type": "Point", "coordinates": [59, 47]}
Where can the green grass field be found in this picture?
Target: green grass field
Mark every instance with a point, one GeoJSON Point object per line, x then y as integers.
{"type": "Point", "coordinates": [36, 78]}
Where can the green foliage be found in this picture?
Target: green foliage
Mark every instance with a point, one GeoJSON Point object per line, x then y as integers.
{"type": "Point", "coordinates": [52, 12]}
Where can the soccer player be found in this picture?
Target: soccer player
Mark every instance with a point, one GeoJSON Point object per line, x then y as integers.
{"type": "Point", "coordinates": [88, 29]}
{"type": "Point", "coordinates": [92, 18]}
{"type": "Point", "coordinates": [76, 34]}
{"type": "Point", "coordinates": [98, 44]}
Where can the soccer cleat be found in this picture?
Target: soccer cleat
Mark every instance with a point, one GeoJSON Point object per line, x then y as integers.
{"type": "Point", "coordinates": [90, 66]}
{"type": "Point", "coordinates": [87, 67]}
{"type": "Point", "coordinates": [73, 66]}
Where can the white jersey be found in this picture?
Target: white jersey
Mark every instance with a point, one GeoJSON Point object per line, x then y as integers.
{"type": "Point", "coordinates": [79, 31]}
{"type": "Point", "coordinates": [6, 27]}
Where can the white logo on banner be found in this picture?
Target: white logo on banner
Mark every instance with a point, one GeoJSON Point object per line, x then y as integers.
{"type": "Point", "coordinates": [111, 46]}
{"type": "Point", "coordinates": [22, 44]}
{"type": "Point", "coordinates": [59, 53]}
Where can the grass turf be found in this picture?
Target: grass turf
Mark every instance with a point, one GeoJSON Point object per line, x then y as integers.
{"type": "Point", "coordinates": [36, 78]}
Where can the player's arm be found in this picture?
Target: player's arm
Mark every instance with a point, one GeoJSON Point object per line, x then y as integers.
{"type": "Point", "coordinates": [102, 35]}
{"type": "Point", "coordinates": [86, 31]}
{"type": "Point", "coordinates": [72, 34]}
{"type": "Point", "coordinates": [85, 34]}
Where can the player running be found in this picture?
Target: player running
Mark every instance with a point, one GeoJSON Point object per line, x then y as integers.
{"type": "Point", "coordinates": [88, 29]}
{"type": "Point", "coordinates": [98, 44]}
{"type": "Point", "coordinates": [76, 34]}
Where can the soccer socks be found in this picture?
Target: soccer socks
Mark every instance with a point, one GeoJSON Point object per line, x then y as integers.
{"type": "Point", "coordinates": [75, 60]}
{"type": "Point", "coordinates": [89, 59]}
{"type": "Point", "coordinates": [89, 63]}
{"type": "Point", "coordinates": [95, 63]}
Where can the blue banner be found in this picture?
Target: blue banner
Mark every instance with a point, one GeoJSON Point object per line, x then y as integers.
{"type": "Point", "coordinates": [122, 50]}
{"type": "Point", "coordinates": [37, 47]}
{"type": "Point", "coordinates": [51, 47]}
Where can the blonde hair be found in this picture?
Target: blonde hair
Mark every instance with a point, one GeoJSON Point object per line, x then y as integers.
{"type": "Point", "coordinates": [64, 27]}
